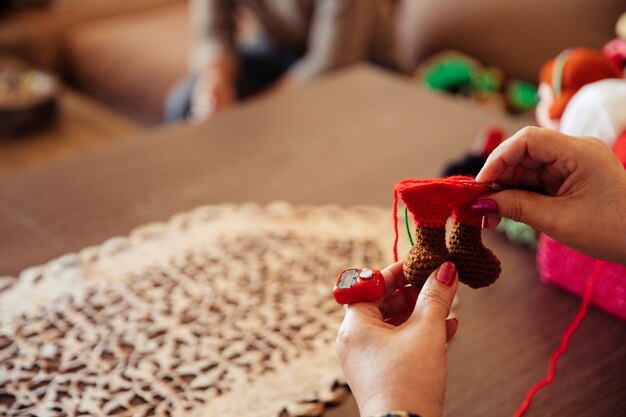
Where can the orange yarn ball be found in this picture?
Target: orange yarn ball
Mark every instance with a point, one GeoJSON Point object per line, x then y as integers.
{"type": "Point", "coordinates": [581, 66]}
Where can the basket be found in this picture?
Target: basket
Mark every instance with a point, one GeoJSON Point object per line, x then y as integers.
{"type": "Point", "coordinates": [568, 269]}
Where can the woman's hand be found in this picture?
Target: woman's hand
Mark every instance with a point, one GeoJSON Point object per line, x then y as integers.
{"type": "Point", "coordinates": [400, 366]}
{"type": "Point", "coordinates": [582, 190]}
{"type": "Point", "coordinates": [214, 91]}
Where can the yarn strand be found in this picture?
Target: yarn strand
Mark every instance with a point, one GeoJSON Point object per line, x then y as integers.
{"type": "Point", "coordinates": [395, 226]}
{"type": "Point", "coordinates": [547, 380]}
{"type": "Point", "coordinates": [408, 228]}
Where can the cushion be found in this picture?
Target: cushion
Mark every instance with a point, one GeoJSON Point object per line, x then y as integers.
{"type": "Point", "coordinates": [35, 33]}
{"type": "Point", "coordinates": [130, 62]}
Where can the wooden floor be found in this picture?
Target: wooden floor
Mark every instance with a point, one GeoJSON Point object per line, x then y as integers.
{"type": "Point", "coordinates": [82, 125]}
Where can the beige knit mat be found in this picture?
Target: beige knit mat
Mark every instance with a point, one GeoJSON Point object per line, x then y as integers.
{"type": "Point", "coordinates": [224, 310]}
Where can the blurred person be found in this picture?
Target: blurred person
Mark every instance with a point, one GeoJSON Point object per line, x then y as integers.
{"type": "Point", "coordinates": [297, 41]}
{"type": "Point", "coordinates": [581, 198]}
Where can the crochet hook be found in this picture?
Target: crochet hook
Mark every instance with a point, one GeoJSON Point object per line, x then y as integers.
{"type": "Point", "coordinates": [492, 185]}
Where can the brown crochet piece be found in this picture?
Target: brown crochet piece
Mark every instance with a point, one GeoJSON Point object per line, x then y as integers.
{"type": "Point", "coordinates": [428, 254]}
{"type": "Point", "coordinates": [432, 202]}
{"type": "Point", "coordinates": [477, 266]}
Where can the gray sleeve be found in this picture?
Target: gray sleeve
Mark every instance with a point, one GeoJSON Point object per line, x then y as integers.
{"type": "Point", "coordinates": [212, 31]}
{"type": "Point", "coordinates": [341, 34]}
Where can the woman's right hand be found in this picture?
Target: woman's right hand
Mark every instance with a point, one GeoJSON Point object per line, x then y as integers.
{"type": "Point", "coordinates": [582, 198]}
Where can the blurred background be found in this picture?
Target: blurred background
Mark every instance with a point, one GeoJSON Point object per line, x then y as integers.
{"type": "Point", "coordinates": [115, 114]}
{"type": "Point", "coordinates": [129, 55]}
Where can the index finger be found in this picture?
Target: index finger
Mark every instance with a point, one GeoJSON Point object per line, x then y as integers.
{"type": "Point", "coordinates": [530, 145]}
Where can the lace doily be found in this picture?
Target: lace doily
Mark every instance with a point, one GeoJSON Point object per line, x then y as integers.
{"type": "Point", "coordinates": [220, 311]}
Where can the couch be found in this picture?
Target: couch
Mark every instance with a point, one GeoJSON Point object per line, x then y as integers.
{"type": "Point", "coordinates": [128, 54]}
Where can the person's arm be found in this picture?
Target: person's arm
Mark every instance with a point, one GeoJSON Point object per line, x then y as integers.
{"type": "Point", "coordinates": [341, 34]}
{"type": "Point", "coordinates": [212, 56]}
{"type": "Point", "coordinates": [212, 33]}
{"type": "Point", "coordinates": [582, 198]}
{"type": "Point", "coordinates": [400, 366]}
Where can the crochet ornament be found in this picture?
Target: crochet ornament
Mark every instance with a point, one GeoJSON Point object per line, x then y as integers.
{"type": "Point", "coordinates": [562, 77]}
{"type": "Point", "coordinates": [462, 75]}
{"type": "Point", "coordinates": [432, 202]}
{"type": "Point", "coordinates": [459, 74]}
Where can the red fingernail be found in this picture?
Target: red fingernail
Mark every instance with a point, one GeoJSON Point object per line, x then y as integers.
{"type": "Point", "coordinates": [446, 273]}
{"type": "Point", "coordinates": [485, 206]}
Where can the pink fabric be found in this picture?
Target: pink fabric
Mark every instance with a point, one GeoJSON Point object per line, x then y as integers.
{"type": "Point", "coordinates": [564, 267]}
{"type": "Point", "coordinates": [615, 50]}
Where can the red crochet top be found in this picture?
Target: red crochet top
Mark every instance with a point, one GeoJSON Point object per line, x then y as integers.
{"type": "Point", "coordinates": [433, 201]}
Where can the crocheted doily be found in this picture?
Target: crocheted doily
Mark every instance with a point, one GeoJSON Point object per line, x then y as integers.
{"type": "Point", "coordinates": [224, 310]}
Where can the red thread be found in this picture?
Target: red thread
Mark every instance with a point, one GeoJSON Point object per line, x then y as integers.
{"type": "Point", "coordinates": [395, 225]}
{"type": "Point", "coordinates": [493, 138]}
{"type": "Point", "coordinates": [547, 380]}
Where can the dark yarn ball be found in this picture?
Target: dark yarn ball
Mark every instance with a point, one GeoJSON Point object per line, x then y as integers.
{"type": "Point", "coordinates": [470, 165]}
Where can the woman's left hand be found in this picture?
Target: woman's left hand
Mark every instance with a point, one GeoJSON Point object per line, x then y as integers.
{"type": "Point", "coordinates": [396, 360]}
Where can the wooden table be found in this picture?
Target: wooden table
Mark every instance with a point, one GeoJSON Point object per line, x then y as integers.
{"type": "Point", "coordinates": [343, 140]}
{"type": "Point", "coordinates": [81, 124]}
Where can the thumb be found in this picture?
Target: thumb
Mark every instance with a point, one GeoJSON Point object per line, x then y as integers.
{"type": "Point", "coordinates": [536, 210]}
{"type": "Point", "coordinates": [435, 298]}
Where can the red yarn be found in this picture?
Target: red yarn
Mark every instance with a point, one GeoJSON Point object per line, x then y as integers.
{"type": "Point", "coordinates": [493, 137]}
{"type": "Point", "coordinates": [547, 380]}
{"type": "Point", "coordinates": [433, 201]}
{"type": "Point", "coordinates": [395, 227]}
{"type": "Point", "coordinates": [581, 66]}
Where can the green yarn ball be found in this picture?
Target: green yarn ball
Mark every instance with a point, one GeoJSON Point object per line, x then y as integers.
{"type": "Point", "coordinates": [522, 96]}
{"type": "Point", "coordinates": [519, 233]}
{"type": "Point", "coordinates": [449, 74]}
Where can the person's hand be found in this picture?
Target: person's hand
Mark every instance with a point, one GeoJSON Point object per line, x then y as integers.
{"type": "Point", "coordinates": [400, 366]}
{"type": "Point", "coordinates": [214, 91]}
{"type": "Point", "coordinates": [582, 190]}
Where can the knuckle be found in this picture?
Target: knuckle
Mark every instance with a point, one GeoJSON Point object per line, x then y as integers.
{"type": "Point", "coordinates": [532, 134]}
{"type": "Point", "coordinates": [595, 145]}
{"type": "Point", "coordinates": [500, 150]}
{"type": "Point", "coordinates": [516, 209]}
{"type": "Point", "coordinates": [594, 142]}
{"type": "Point", "coordinates": [529, 131]}
{"type": "Point", "coordinates": [512, 206]}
